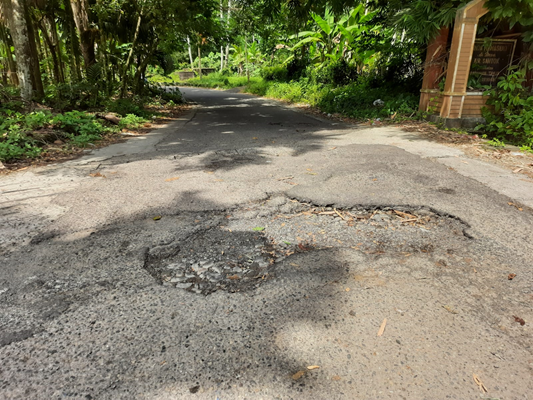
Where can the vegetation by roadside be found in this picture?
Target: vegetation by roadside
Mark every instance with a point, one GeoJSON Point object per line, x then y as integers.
{"type": "Point", "coordinates": [44, 134]}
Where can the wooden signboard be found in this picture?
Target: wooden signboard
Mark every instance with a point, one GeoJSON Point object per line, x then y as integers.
{"type": "Point", "coordinates": [494, 61]}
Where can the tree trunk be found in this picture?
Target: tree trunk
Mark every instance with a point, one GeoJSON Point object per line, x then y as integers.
{"type": "Point", "coordinates": [73, 44]}
{"type": "Point", "coordinates": [221, 47]}
{"type": "Point", "coordinates": [130, 56]}
{"type": "Point", "coordinates": [33, 39]}
{"type": "Point", "coordinates": [57, 45]}
{"type": "Point", "coordinates": [141, 68]}
{"type": "Point", "coordinates": [19, 32]}
{"type": "Point", "coordinates": [246, 55]}
{"type": "Point", "coordinates": [200, 61]}
{"type": "Point", "coordinates": [11, 65]}
{"type": "Point", "coordinates": [53, 53]}
{"type": "Point", "coordinates": [227, 37]}
{"type": "Point", "coordinates": [81, 18]}
{"type": "Point", "coordinates": [190, 53]}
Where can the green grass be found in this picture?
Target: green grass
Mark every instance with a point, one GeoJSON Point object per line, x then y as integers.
{"type": "Point", "coordinates": [219, 81]}
{"type": "Point", "coordinates": [354, 100]}
{"type": "Point", "coordinates": [172, 78]}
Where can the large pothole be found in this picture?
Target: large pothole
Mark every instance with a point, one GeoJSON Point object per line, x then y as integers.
{"type": "Point", "coordinates": [242, 252]}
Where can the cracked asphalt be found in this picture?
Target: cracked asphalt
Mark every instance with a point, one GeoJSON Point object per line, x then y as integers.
{"type": "Point", "coordinates": [221, 256]}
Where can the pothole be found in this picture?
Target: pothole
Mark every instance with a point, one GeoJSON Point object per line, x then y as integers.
{"type": "Point", "coordinates": [212, 260]}
{"type": "Point", "coordinates": [243, 252]}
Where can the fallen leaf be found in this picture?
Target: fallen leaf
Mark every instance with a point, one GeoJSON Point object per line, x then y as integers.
{"type": "Point", "coordinates": [382, 327]}
{"type": "Point", "coordinates": [333, 148]}
{"type": "Point", "coordinates": [515, 206]}
{"type": "Point", "coordinates": [479, 383]}
{"type": "Point", "coordinates": [97, 175]}
{"type": "Point", "coordinates": [298, 375]}
{"type": "Point", "coordinates": [511, 276]}
{"type": "Point", "coordinates": [519, 320]}
{"type": "Point", "coordinates": [194, 389]}
{"type": "Point", "coordinates": [294, 265]}
{"type": "Point", "coordinates": [311, 367]}
{"type": "Point", "coordinates": [347, 289]}
{"type": "Point", "coordinates": [450, 310]}
{"type": "Point", "coordinates": [259, 229]}
{"type": "Point", "coordinates": [336, 378]}
{"type": "Point", "coordinates": [234, 277]}
{"type": "Point", "coordinates": [157, 218]}
{"type": "Point", "coordinates": [254, 138]}
{"type": "Point", "coordinates": [172, 179]}
{"type": "Point", "coordinates": [302, 247]}
{"type": "Point", "coordinates": [516, 171]}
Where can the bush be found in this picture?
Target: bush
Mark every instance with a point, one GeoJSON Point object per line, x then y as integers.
{"type": "Point", "coordinates": [131, 121]}
{"type": "Point", "coordinates": [10, 100]}
{"type": "Point", "coordinates": [354, 100]}
{"type": "Point", "coordinates": [511, 116]}
{"type": "Point", "coordinates": [275, 73]}
{"type": "Point", "coordinates": [124, 107]}
{"type": "Point", "coordinates": [336, 73]}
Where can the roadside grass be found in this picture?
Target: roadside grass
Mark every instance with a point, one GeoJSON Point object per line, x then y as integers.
{"type": "Point", "coordinates": [218, 80]}
{"type": "Point", "coordinates": [46, 135]}
{"type": "Point", "coordinates": [355, 100]}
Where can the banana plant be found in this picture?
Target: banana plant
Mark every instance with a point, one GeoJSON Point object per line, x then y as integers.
{"type": "Point", "coordinates": [332, 39]}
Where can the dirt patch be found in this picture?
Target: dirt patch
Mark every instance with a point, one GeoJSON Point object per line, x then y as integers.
{"type": "Point", "coordinates": [475, 147]}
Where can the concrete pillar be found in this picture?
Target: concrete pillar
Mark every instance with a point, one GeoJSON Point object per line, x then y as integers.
{"type": "Point", "coordinates": [433, 67]}
{"type": "Point", "coordinates": [464, 35]}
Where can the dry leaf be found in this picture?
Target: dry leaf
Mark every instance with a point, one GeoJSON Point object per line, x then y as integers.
{"type": "Point", "coordinates": [479, 383]}
{"type": "Point", "coordinates": [97, 175]}
{"type": "Point", "coordinates": [511, 276]}
{"type": "Point", "coordinates": [382, 327]}
{"type": "Point", "coordinates": [336, 378]}
{"type": "Point", "coordinates": [298, 375]}
{"type": "Point", "coordinates": [254, 138]}
{"type": "Point", "coordinates": [516, 171]}
{"type": "Point", "coordinates": [311, 367]}
{"type": "Point", "coordinates": [157, 218]}
{"type": "Point", "coordinates": [450, 310]}
{"type": "Point", "coordinates": [294, 265]}
{"type": "Point", "coordinates": [172, 179]}
{"type": "Point", "coordinates": [519, 320]}
{"type": "Point", "coordinates": [347, 289]}
{"type": "Point", "coordinates": [234, 277]}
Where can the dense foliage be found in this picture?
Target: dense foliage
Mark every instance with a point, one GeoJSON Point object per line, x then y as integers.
{"type": "Point", "coordinates": [340, 56]}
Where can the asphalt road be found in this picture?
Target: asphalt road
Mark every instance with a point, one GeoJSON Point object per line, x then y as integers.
{"type": "Point", "coordinates": [222, 256]}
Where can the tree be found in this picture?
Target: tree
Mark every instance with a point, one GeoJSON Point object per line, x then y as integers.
{"type": "Point", "coordinates": [14, 12]}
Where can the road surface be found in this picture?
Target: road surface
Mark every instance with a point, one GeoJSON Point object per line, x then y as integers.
{"type": "Point", "coordinates": [250, 251]}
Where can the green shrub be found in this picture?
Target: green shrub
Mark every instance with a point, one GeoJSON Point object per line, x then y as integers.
{"type": "Point", "coordinates": [131, 121]}
{"type": "Point", "coordinates": [10, 101]}
{"type": "Point", "coordinates": [78, 123]}
{"type": "Point", "coordinates": [511, 116]}
{"type": "Point", "coordinates": [124, 107]}
{"type": "Point", "coordinates": [275, 73]}
{"type": "Point", "coordinates": [336, 73]}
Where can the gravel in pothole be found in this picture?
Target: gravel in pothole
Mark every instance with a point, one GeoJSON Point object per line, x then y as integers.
{"type": "Point", "coordinates": [242, 253]}
{"type": "Point", "coordinates": [211, 260]}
